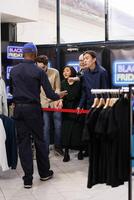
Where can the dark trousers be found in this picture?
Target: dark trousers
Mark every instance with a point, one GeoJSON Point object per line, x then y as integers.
{"type": "Point", "coordinates": [29, 121]}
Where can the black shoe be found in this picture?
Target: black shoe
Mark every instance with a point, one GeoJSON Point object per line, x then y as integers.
{"type": "Point", "coordinates": [80, 156]}
{"type": "Point", "coordinates": [58, 151]}
{"type": "Point", "coordinates": [27, 186]}
{"type": "Point", "coordinates": [49, 176]}
{"type": "Point", "coordinates": [66, 158]}
{"type": "Point", "coordinates": [27, 182]}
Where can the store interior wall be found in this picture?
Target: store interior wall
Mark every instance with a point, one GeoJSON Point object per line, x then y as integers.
{"type": "Point", "coordinates": [42, 32]}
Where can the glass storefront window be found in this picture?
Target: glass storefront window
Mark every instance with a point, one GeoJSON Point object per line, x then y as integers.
{"type": "Point", "coordinates": [121, 20]}
{"type": "Point", "coordinates": [82, 21]}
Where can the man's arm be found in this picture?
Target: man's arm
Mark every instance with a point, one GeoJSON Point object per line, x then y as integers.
{"type": "Point", "coordinates": [48, 89]}
{"type": "Point", "coordinates": [73, 79]}
{"type": "Point", "coordinates": [78, 77]}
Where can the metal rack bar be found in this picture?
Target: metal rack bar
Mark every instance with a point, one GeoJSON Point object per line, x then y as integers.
{"type": "Point", "coordinates": [100, 91]}
{"type": "Point", "coordinates": [130, 145]}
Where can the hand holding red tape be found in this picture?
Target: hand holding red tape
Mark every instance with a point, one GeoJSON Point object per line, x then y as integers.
{"type": "Point", "coordinates": [77, 111]}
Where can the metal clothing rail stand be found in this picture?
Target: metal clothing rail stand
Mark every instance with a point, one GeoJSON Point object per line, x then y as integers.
{"type": "Point", "coordinates": [130, 91]}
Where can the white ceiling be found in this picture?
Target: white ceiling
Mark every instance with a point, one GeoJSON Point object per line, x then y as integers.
{"type": "Point", "coordinates": [13, 19]}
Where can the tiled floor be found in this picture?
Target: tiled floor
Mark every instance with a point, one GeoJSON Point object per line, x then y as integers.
{"type": "Point", "coordinates": [69, 183]}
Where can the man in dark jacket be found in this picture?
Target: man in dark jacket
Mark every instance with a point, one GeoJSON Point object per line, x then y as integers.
{"type": "Point", "coordinates": [94, 77]}
{"type": "Point", "coordinates": [26, 79]}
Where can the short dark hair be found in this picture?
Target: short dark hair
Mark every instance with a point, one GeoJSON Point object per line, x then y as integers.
{"type": "Point", "coordinates": [73, 71]}
{"type": "Point", "coordinates": [42, 59]}
{"type": "Point", "coordinates": [91, 53]}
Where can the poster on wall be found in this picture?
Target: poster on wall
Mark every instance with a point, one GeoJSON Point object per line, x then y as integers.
{"type": "Point", "coordinates": [14, 55]}
{"type": "Point", "coordinates": [123, 73]}
{"type": "Point", "coordinates": [122, 63]}
{"type": "Point", "coordinates": [8, 69]}
{"type": "Point", "coordinates": [14, 52]}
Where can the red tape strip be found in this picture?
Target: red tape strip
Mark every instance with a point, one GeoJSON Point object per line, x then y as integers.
{"type": "Point", "coordinates": [80, 111]}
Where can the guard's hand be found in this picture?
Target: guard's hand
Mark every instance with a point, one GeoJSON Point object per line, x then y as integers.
{"type": "Point", "coordinates": [58, 104]}
{"type": "Point", "coordinates": [62, 93]}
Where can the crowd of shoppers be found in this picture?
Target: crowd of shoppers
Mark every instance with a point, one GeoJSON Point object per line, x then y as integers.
{"type": "Point", "coordinates": [35, 86]}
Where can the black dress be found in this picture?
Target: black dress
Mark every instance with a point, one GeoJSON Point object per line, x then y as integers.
{"type": "Point", "coordinates": [121, 116]}
{"type": "Point", "coordinates": [94, 147]}
{"type": "Point", "coordinates": [72, 124]}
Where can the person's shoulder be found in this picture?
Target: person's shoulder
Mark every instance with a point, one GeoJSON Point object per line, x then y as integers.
{"type": "Point", "coordinates": [35, 67]}
{"type": "Point", "coordinates": [16, 67]}
{"type": "Point", "coordinates": [38, 71]}
{"type": "Point", "coordinates": [102, 69]}
{"type": "Point", "coordinates": [53, 70]}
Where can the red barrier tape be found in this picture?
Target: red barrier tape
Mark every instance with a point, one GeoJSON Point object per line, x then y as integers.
{"type": "Point", "coordinates": [80, 111]}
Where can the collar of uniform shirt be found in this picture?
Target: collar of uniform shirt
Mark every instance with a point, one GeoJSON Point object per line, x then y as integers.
{"type": "Point", "coordinates": [28, 61]}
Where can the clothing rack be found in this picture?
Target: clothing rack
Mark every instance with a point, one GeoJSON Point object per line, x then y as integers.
{"type": "Point", "coordinates": [117, 91]}
{"type": "Point", "coordinates": [130, 91]}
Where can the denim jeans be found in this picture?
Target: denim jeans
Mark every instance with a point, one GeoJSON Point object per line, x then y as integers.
{"type": "Point", "coordinates": [56, 118]}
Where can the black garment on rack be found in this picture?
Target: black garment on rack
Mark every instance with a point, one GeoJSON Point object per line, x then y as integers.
{"type": "Point", "coordinates": [112, 151]}
{"type": "Point", "coordinates": [100, 130]}
{"type": "Point", "coordinates": [121, 116]}
{"type": "Point", "coordinates": [11, 142]}
{"type": "Point", "coordinates": [109, 145]}
{"type": "Point", "coordinates": [94, 147]}
{"type": "Point", "coordinates": [107, 167]}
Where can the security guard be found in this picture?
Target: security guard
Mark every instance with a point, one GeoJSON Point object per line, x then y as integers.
{"type": "Point", "coordinates": [26, 79]}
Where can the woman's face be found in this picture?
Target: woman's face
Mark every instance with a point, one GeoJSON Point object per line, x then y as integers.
{"type": "Point", "coordinates": [66, 72]}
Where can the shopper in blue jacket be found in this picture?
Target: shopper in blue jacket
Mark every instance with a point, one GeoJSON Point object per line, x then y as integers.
{"type": "Point", "coordinates": [94, 77]}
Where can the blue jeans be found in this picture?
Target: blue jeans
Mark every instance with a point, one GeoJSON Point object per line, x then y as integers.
{"type": "Point", "coordinates": [56, 118]}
